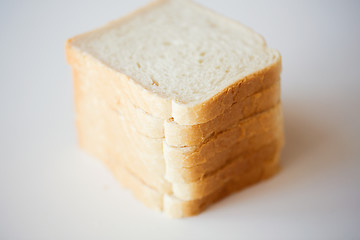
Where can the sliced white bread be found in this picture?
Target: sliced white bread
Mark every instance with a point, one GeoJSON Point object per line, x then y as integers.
{"type": "Point", "coordinates": [105, 135]}
{"type": "Point", "coordinates": [249, 133]}
{"type": "Point", "coordinates": [151, 151]}
{"type": "Point", "coordinates": [175, 59]}
{"type": "Point", "coordinates": [185, 164]}
{"type": "Point", "coordinates": [177, 76]}
{"type": "Point", "coordinates": [152, 190]}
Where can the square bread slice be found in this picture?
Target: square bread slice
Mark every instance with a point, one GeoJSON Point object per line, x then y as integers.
{"type": "Point", "coordinates": [174, 96]}
{"type": "Point", "coordinates": [174, 133]}
{"type": "Point", "coordinates": [175, 59]}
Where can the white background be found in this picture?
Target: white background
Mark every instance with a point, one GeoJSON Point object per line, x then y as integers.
{"type": "Point", "coordinates": [49, 189]}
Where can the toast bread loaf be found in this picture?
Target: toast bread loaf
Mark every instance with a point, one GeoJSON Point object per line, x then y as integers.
{"type": "Point", "coordinates": [182, 104]}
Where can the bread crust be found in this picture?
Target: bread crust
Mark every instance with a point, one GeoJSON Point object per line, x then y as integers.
{"type": "Point", "coordinates": [189, 135]}
{"type": "Point", "coordinates": [191, 164]}
{"type": "Point", "coordinates": [238, 166]}
{"type": "Point", "coordinates": [176, 208]}
{"type": "Point", "coordinates": [210, 162]}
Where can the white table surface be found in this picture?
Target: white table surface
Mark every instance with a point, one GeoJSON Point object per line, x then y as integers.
{"type": "Point", "coordinates": [49, 189]}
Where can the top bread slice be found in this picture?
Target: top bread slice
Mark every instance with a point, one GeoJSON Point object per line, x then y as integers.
{"type": "Point", "coordinates": [177, 60]}
{"type": "Point", "coordinates": [156, 128]}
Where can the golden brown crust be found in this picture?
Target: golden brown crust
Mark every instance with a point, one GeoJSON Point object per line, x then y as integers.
{"type": "Point", "coordinates": [219, 160]}
{"type": "Point", "coordinates": [176, 208]}
{"type": "Point", "coordinates": [236, 167]}
{"type": "Point", "coordinates": [267, 124]}
{"type": "Point", "coordinates": [189, 135]}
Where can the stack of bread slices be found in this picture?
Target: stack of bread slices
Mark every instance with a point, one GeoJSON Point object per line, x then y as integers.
{"type": "Point", "coordinates": [182, 105]}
